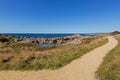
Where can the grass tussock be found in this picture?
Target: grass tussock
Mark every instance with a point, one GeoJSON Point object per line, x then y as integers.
{"type": "Point", "coordinates": [22, 56]}
{"type": "Point", "coordinates": [110, 68]}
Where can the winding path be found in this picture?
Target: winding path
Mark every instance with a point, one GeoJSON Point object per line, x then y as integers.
{"type": "Point", "coordinates": [80, 69]}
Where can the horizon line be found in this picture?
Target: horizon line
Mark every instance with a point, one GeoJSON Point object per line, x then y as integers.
{"type": "Point", "coordinates": [55, 32]}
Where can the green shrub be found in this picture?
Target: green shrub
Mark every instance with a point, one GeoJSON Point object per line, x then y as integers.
{"type": "Point", "coordinates": [115, 33]}
{"type": "Point", "coordinates": [3, 39]}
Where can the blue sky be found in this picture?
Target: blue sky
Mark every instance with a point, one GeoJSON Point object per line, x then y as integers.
{"type": "Point", "coordinates": [80, 16]}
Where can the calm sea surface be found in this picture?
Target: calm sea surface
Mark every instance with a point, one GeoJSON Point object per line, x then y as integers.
{"type": "Point", "coordinates": [41, 35]}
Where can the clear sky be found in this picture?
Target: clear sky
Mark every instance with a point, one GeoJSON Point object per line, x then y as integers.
{"type": "Point", "coordinates": [83, 16]}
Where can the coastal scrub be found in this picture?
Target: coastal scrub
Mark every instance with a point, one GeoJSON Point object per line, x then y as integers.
{"type": "Point", "coordinates": [22, 56]}
{"type": "Point", "coordinates": [110, 68]}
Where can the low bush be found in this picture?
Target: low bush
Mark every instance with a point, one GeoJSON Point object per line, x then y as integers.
{"type": "Point", "coordinates": [3, 39]}
{"type": "Point", "coordinates": [115, 33]}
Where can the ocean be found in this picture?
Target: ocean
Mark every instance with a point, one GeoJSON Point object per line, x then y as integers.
{"type": "Point", "coordinates": [47, 35]}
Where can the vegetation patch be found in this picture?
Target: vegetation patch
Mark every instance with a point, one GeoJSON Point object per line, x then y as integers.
{"type": "Point", "coordinates": [3, 39]}
{"type": "Point", "coordinates": [110, 68]}
{"type": "Point", "coordinates": [24, 56]}
{"type": "Point", "coordinates": [115, 33]}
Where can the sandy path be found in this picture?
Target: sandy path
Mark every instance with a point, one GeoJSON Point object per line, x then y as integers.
{"type": "Point", "coordinates": [80, 69]}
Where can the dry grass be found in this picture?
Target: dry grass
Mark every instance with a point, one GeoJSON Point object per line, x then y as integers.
{"type": "Point", "coordinates": [110, 68]}
{"type": "Point", "coordinates": [21, 56]}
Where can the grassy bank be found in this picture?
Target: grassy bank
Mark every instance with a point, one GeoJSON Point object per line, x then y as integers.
{"type": "Point", "coordinates": [110, 68]}
{"type": "Point", "coordinates": [17, 56]}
